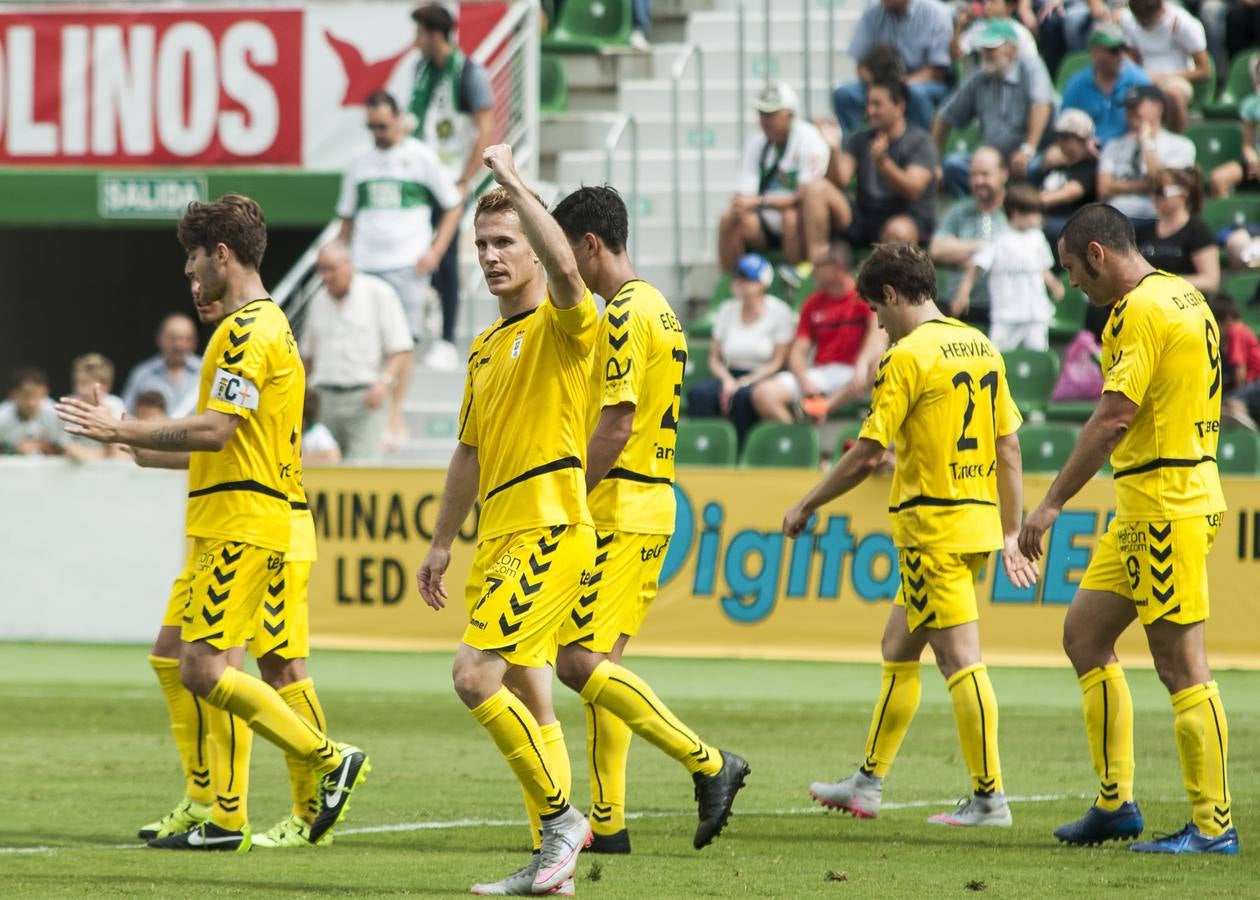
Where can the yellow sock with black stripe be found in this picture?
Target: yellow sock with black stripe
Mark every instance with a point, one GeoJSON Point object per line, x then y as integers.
{"type": "Point", "coordinates": [628, 697]}
{"type": "Point", "coordinates": [303, 781]}
{"type": "Point", "coordinates": [976, 715]}
{"type": "Point", "coordinates": [188, 726]}
{"type": "Point", "coordinates": [899, 691]}
{"type": "Point", "coordinates": [520, 740]}
{"type": "Point", "coordinates": [229, 744]}
{"type": "Point", "coordinates": [1108, 708]}
{"type": "Point", "coordinates": [1203, 745]}
{"type": "Point", "coordinates": [607, 750]}
{"type": "Point", "coordinates": [561, 768]}
{"type": "Point", "coordinates": [257, 703]}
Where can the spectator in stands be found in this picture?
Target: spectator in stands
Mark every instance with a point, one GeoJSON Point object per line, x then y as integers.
{"type": "Point", "coordinates": [1011, 100]}
{"type": "Point", "coordinates": [969, 224]}
{"type": "Point", "coordinates": [150, 406]}
{"type": "Point", "coordinates": [175, 372]}
{"type": "Point", "coordinates": [1228, 175]}
{"type": "Point", "coordinates": [28, 423]}
{"type": "Point", "coordinates": [751, 334]}
{"type": "Point", "coordinates": [1064, 27]}
{"type": "Point", "coordinates": [921, 31]}
{"type": "Point", "coordinates": [1101, 88]}
{"type": "Point", "coordinates": [1242, 26]}
{"type": "Point", "coordinates": [784, 155]}
{"type": "Point", "coordinates": [1072, 180]}
{"type": "Point", "coordinates": [1170, 45]}
{"type": "Point", "coordinates": [969, 28]}
{"type": "Point", "coordinates": [839, 331]}
{"type": "Point", "coordinates": [895, 164]}
{"type": "Point", "coordinates": [92, 377]}
{"type": "Point", "coordinates": [1130, 163]}
{"type": "Point", "coordinates": [1240, 357]}
{"type": "Point", "coordinates": [357, 348]}
{"type": "Point", "coordinates": [319, 447]}
{"type": "Point", "coordinates": [825, 208]}
{"type": "Point", "coordinates": [1179, 241]}
{"type": "Point", "coordinates": [386, 207]}
{"type": "Point", "coordinates": [1019, 263]}
{"type": "Point", "coordinates": [454, 109]}
{"type": "Point", "coordinates": [640, 24]}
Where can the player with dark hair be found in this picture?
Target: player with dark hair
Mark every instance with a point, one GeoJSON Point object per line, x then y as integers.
{"type": "Point", "coordinates": [1158, 421]}
{"type": "Point", "coordinates": [941, 397]}
{"type": "Point", "coordinates": [244, 466]}
{"type": "Point", "coordinates": [636, 386]}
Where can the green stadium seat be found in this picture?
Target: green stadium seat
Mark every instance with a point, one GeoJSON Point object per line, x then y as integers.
{"type": "Point", "coordinates": [1238, 211]}
{"type": "Point", "coordinates": [1071, 410]}
{"type": "Point", "coordinates": [964, 139]}
{"type": "Point", "coordinates": [773, 445]}
{"type": "Point", "coordinates": [706, 442]}
{"type": "Point", "coordinates": [1215, 143]}
{"type": "Point", "coordinates": [588, 26]}
{"type": "Point", "coordinates": [1031, 375]}
{"type": "Point", "coordinates": [1242, 287]}
{"type": "Point", "coordinates": [1070, 65]}
{"type": "Point", "coordinates": [553, 84]}
{"type": "Point", "coordinates": [697, 368]}
{"type": "Point", "coordinates": [1238, 452]}
{"type": "Point", "coordinates": [1205, 89]}
{"type": "Point", "coordinates": [1069, 314]}
{"type": "Point", "coordinates": [1045, 448]}
{"type": "Point", "coordinates": [1237, 86]}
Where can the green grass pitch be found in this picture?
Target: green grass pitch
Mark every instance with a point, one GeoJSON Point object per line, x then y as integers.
{"type": "Point", "coordinates": [88, 758]}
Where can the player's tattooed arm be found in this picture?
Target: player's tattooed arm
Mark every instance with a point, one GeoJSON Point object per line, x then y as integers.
{"type": "Point", "coordinates": [173, 438]}
{"type": "Point", "coordinates": [207, 431]}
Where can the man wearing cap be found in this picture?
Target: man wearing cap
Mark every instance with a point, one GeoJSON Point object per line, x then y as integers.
{"type": "Point", "coordinates": [1010, 99]}
{"type": "Point", "coordinates": [1130, 163]}
{"type": "Point", "coordinates": [1072, 181]}
{"type": "Point", "coordinates": [1170, 44]}
{"type": "Point", "coordinates": [786, 154]}
{"type": "Point", "coordinates": [1100, 89]}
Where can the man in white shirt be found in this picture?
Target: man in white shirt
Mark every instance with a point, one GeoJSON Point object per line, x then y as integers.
{"type": "Point", "coordinates": [1129, 164]}
{"type": "Point", "coordinates": [28, 423]}
{"type": "Point", "coordinates": [356, 344]}
{"type": "Point", "coordinates": [1170, 44]}
{"type": "Point", "coordinates": [386, 203]}
{"type": "Point", "coordinates": [175, 372]}
{"type": "Point", "coordinates": [786, 154]}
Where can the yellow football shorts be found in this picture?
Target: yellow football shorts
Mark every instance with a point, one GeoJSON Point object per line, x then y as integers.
{"type": "Point", "coordinates": [522, 587]}
{"type": "Point", "coordinates": [282, 624]}
{"type": "Point", "coordinates": [1160, 566]}
{"type": "Point", "coordinates": [938, 588]}
{"type": "Point", "coordinates": [617, 595]}
{"type": "Point", "coordinates": [223, 584]}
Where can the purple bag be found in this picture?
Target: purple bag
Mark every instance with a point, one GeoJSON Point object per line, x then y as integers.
{"type": "Point", "coordinates": [1081, 378]}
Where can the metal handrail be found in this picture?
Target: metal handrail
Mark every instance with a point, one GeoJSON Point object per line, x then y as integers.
{"type": "Point", "coordinates": [294, 281]}
{"type": "Point", "coordinates": [676, 75]}
{"type": "Point", "coordinates": [625, 122]}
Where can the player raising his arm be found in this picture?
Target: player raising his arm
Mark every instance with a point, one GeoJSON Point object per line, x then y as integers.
{"type": "Point", "coordinates": [521, 452]}
{"type": "Point", "coordinates": [941, 397]}
{"type": "Point", "coordinates": [1158, 420]}
{"type": "Point", "coordinates": [636, 384]}
{"type": "Point", "coordinates": [245, 458]}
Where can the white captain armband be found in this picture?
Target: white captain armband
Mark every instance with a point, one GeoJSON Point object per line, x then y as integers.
{"type": "Point", "coordinates": [235, 389]}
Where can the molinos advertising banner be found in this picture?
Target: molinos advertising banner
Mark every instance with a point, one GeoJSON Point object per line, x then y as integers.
{"type": "Point", "coordinates": [733, 585]}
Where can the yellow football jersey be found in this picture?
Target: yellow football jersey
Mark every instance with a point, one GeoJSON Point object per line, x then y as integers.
{"type": "Point", "coordinates": [252, 370]}
{"type": "Point", "coordinates": [1162, 350]}
{"type": "Point", "coordinates": [524, 410]}
{"type": "Point", "coordinates": [942, 399]}
{"type": "Point", "coordinates": [640, 355]}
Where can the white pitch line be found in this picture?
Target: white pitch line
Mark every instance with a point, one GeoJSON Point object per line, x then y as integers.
{"type": "Point", "coordinates": [404, 827]}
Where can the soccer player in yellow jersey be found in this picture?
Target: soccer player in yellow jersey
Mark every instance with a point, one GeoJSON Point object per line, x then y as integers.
{"type": "Point", "coordinates": [636, 383]}
{"type": "Point", "coordinates": [245, 459]}
{"type": "Point", "coordinates": [521, 452]}
{"type": "Point", "coordinates": [941, 399]}
{"type": "Point", "coordinates": [1158, 420]}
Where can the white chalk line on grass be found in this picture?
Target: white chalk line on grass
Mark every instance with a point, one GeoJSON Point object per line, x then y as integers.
{"type": "Point", "coordinates": [403, 827]}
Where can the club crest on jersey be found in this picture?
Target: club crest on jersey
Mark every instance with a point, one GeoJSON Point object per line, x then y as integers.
{"type": "Point", "coordinates": [235, 389]}
{"type": "Point", "coordinates": [516, 344]}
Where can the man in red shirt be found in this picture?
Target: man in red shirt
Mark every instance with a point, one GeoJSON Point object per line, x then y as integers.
{"type": "Point", "coordinates": [1240, 356]}
{"type": "Point", "coordinates": [846, 342]}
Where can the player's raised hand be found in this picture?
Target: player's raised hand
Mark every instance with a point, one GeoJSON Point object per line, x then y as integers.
{"type": "Point", "coordinates": [498, 159]}
{"type": "Point", "coordinates": [91, 420]}
{"type": "Point", "coordinates": [1022, 571]}
{"type": "Point", "coordinates": [1034, 529]}
{"type": "Point", "coordinates": [429, 576]}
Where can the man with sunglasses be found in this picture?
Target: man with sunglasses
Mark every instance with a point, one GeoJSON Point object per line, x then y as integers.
{"type": "Point", "coordinates": [386, 207]}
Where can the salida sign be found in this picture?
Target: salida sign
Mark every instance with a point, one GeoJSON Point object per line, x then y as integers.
{"type": "Point", "coordinates": [151, 87]}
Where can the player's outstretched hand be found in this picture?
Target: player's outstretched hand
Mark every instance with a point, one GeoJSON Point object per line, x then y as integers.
{"type": "Point", "coordinates": [498, 159]}
{"type": "Point", "coordinates": [1034, 529]}
{"type": "Point", "coordinates": [429, 576]}
{"type": "Point", "coordinates": [1021, 570]}
{"type": "Point", "coordinates": [795, 519]}
{"type": "Point", "coordinates": [91, 420]}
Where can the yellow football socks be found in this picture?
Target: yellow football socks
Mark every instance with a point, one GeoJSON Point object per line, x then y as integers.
{"type": "Point", "coordinates": [1108, 708]}
{"type": "Point", "coordinates": [628, 697]}
{"type": "Point", "coordinates": [607, 750]}
{"type": "Point", "coordinates": [303, 781]}
{"type": "Point", "coordinates": [976, 715]}
{"type": "Point", "coordinates": [188, 726]}
{"type": "Point", "coordinates": [520, 740]}
{"type": "Point", "coordinates": [230, 742]}
{"type": "Point", "coordinates": [258, 704]}
{"type": "Point", "coordinates": [1203, 744]}
{"type": "Point", "coordinates": [558, 759]}
{"type": "Point", "coordinates": [899, 693]}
